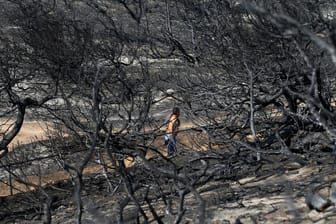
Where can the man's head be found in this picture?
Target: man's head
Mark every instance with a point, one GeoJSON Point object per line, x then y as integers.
{"type": "Point", "coordinates": [176, 111]}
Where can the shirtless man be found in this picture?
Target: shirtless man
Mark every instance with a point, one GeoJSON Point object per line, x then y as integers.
{"type": "Point", "coordinates": [171, 133]}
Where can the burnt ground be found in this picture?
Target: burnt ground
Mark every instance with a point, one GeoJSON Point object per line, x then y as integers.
{"type": "Point", "coordinates": [273, 190]}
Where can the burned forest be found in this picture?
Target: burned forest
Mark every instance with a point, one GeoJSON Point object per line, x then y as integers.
{"type": "Point", "coordinates": [86, 87]}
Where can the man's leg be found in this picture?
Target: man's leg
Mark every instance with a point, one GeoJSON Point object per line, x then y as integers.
{"type": "Point", "coordinates": [172, 147]}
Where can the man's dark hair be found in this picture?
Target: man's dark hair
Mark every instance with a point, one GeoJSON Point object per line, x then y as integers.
{"type": "Point", "coordinates": [176, 110]}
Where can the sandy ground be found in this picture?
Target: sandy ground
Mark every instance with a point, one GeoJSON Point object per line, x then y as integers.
{"type": "Point", "coordinates": [30, 132]}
